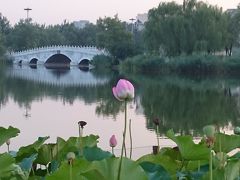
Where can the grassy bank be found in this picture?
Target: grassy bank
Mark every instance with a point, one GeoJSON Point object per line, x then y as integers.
{"type": "Point", "coordinates": [189, 65]}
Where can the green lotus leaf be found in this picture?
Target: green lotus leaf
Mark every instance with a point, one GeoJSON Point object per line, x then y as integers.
{"type": "Point", "coordinates": [165, 161]}
{"type": "Point", "coordinates": [188, 149]}
{"type": "Point", "coordinates": [171, 152]}
{"type": "Point", "coordinates": [154, 171]}
{"type": "Point", "coordinates": [35, 178]}
{"type": "Point", "coordinates": [199, 173]}
{"type": "Point", "coordinates": [26, 163]}
{"type": "Point", "coordinates": [6, 134]}
{"type": "Point", "coordinates": [6, 165]}
{"type": "Point", "coordinates": [45, 154]}
{"type": "Point", "coordinates": [108, 169]}
{"type": "Point", "coordinates": [74, 144]}
{"type": "Point", "coordinates": [226, 143]}
{"type": "Point", "coordinates": [27, 151]}
{"type": "Point", "coordinates": [66, 171]}
{"type": "Point", "coordinates": [230, 172]}
{"type": "Point", "coordinates": [220, 160]}
{"type": "Point", "coordinates": [95, 154]}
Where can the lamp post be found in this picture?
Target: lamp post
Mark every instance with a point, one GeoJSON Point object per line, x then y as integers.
{"type": "Point", "coordinates": [27, 9]}
{"type": "Point", "coordinates": [132, 19]}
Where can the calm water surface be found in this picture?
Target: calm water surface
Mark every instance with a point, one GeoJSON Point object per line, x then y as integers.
{"type": "Point", "coordinates": [48, 102]}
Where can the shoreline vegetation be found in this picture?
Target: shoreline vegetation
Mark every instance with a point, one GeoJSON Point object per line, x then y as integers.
{"type": "Point", "coordinates": [196, 65]}
{"type": "Point", "coordinates": [182, 65]}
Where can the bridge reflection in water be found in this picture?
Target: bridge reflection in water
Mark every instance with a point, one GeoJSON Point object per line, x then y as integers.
{"type": "Point", "coordinates": [72, 76]}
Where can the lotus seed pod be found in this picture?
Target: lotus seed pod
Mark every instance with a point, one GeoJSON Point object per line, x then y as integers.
{"type": "Point", "coordinates": [156, 121]}
{"type": "Point", "coordinates": [209, 130]}
{"type": "Point", "coordinates": [82, 124]}
{"type": "Point", "coordinates": [70, 156]}
{"type": "Point", "coordinates": [237, 130]}
{"type": "Point", "coordinates": [8, 142]}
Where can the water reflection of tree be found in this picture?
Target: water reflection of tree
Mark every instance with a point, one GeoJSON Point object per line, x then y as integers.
{"type": "Point", "coordinates": [3, 92]}
{"type": "Point", "coordinates": [25, 92]}
{"type": "Point", "coordinates": [186, 108]}
{"type": "Point", "coordinates": [181, 104]}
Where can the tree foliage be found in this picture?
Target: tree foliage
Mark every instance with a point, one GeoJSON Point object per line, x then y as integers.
{"type": "Point", "coordinates": [171, 29]}
{"type": "Point", "coordinates": [112, 35]}
{"type": "Point", "coordinates": [177, 30]}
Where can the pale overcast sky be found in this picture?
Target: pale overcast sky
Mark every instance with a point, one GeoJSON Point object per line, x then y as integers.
{"type": "Point", "coordinates": [55, 11]}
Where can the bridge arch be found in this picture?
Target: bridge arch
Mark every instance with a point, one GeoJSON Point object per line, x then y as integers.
{"type": "Point", "coordinates": [84, 62]}
{"type": "Point", "coordinates": [33, 61]}
{"type": "Point", "coordinates": [58, 60]}
{"type": "Point", "coordinates": [20, 62]}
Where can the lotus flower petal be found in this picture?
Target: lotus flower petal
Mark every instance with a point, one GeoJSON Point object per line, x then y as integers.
{"type": "Point", "coordinates": [116, 94]}
{"type": "Point", "coordinates": [124, 90]}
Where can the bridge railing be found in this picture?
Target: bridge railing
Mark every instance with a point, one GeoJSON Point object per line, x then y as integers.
{"type": "Point", "coordinates": [56, 47]}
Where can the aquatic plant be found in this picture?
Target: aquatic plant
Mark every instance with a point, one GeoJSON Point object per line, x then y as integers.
{"type": "Point", "coordinates": [113, 142]}
{"type": "Point", "coordinates": [124, 91]}
{"type": "Point", "coordinates": [188, 160]}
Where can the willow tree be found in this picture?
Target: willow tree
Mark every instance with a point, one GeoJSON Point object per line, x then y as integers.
{"type": "Point", "coordinates": [182, 30]}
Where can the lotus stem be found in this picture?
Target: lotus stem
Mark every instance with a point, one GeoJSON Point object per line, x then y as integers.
{"type": "Point", "coordinates": [198, 166]}
{"type": "Point", "coordinates": [125, 149]}
{"type": "Point", "coordinates": [8, 148]}
{"type": "Point", "coordinates": [79, 130]}
{"type": "Point", "coordinates": [123, 144]}
{"type": "Point", "coordinates": [220, 144]}
{"type": "Point", "coordinates": [157, 137]}
{"type": "Point", "coordinates": [130, 134]}
{"type": "Point", "coordinates": [210, 166]}
{"type": "Point", "coordinates": [70, 173]}
{"type": "Point", "coordinates": [113, 150]}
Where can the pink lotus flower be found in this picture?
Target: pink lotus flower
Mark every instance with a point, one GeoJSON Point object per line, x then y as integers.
{"type": "Point", "coordinates": [124, 90]}
{"type": "Point", "coordinates": [113, 141]}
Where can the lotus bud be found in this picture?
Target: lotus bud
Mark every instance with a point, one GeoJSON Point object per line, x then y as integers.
{"type": "Point", "coordinates": [8, 142]}
{"type": "Point", "coordinates": [237, 130]}
{"type": "Point", "coordinates": [124, 91]}
{"type": "Point", "coordinates": [209, 131]}
{"type": "Point", "coordinates": [113, 141]}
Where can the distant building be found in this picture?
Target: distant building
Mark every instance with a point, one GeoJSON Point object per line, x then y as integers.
{"type": "Point", "coordinates": [140, 20]}
{"type": "Point", "coordinates": [80, 24]}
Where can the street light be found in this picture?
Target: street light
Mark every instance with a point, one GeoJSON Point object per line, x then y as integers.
{"type": "Point", "coordinates": [27, 9]}
{"type": "Point", "coordinates": [132, 19]}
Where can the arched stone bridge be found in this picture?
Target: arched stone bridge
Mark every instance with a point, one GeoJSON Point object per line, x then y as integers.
{"type": "Point", "coordinates": [70, 55]}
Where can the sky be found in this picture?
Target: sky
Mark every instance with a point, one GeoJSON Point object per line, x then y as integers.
{"type": "Point", "coordinates": [56, 11]}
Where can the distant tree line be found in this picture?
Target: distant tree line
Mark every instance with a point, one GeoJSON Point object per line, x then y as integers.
{"type": "Point", "coordinates": [191, 27]}
{"type": "Point", "coordinates": [171, 30]}
{"type": "Point", "coordinates": [109, 33]}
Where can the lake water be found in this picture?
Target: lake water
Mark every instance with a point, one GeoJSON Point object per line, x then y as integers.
{"type": "Point", "coordinates": [50, 102]}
